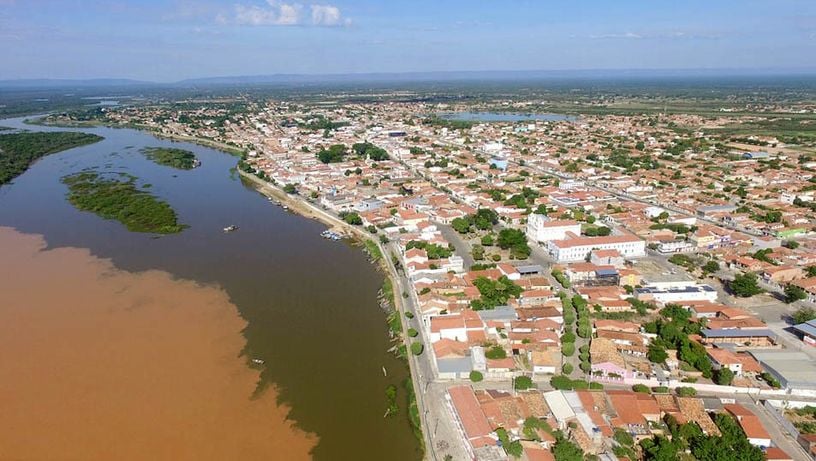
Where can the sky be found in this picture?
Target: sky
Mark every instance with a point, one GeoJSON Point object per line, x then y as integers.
{"type": "Point", "coordinates": [170, 40]}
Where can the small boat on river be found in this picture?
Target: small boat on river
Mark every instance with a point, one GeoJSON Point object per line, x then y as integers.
{"type": "Point", "coordinates": [230, 228]}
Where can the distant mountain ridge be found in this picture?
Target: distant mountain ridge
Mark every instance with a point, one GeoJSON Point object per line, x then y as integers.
{"type": "Point", "coordinates": [284, 79]}
{"type": "Point", "coordinates": [70, 83]}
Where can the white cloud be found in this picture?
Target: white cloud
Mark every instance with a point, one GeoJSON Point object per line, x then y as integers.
{"type": "Point", "coordinates": [628, 35]}
{"type": "Point", "coordinates": [325, 15]}
{"type": "Point", "coordinates": [663, 35]}
{"type": "Point", "coordinates": [278, 13]}
{"type": "Point", "coordinates": [275, 14]}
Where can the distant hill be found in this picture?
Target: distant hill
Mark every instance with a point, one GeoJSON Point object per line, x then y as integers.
{"type": "Point", "coordinates": [486, 75]}
{"type": "Point", "coordinates": [69, 83]}
{"type": "Point", "coordinates": [403, 77]}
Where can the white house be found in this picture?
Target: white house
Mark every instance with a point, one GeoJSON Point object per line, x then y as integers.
{"type": "Point", "coordinates": [542, 229]}
{"type": "Point", "coordinates": [578, 248]}
{"type": "Point", "coordinates": [669, 295]}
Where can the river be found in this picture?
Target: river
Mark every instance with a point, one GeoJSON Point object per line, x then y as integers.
{"type": "Point", "coordinates": [309, 304]}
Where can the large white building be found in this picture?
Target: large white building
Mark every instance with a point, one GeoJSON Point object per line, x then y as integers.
{"type": "Point", "coordinates": [578, 248]}
{"type": "Point", "coordinates": [542, 229]}
{"type": "Point", "coordinates": [675, 294]}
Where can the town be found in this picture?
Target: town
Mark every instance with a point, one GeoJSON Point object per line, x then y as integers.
{"type": "Point", "coordinates": [598, 286]}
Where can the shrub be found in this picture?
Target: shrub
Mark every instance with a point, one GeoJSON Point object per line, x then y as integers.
{"type": "Point", "coordinates": [496, 352]}
{"type": "Point", "coordinates": [660, 390]}
{"type": "Point", "coordinates": [523, 382]}
{"type": "Point", "coordinates": [724, 376]}
{"type": "Point", "coordinates": [686, 391]}
{"type": "Point", "coordinates": [642, 388]}
{"type": "Point", "coordinates": [561, 382]}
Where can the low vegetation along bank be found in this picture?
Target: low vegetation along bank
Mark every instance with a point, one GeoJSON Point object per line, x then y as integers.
{"type": "Point", "coordinates": [19, 150]}
{"type": "Point", "coordinates": [175, 158]}
{"type": "Point", "coordinates": [120, 199]}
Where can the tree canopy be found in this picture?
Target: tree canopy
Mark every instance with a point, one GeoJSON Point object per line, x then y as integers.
{"type": "Point", "coordinates": [494, 292]}
{"type": "Point", "coordinates": [745, 285]}
{"type": "Point", "coordinates": [334, 154]}
{"type": "Point", "coordinates": [366, 149]}
{"type": "Point", "coordinates": [19, 150]}
{"type": "Point", "coordinates": [516, 241]}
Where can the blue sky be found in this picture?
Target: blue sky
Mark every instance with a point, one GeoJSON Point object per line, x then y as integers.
{"type": "Point", "coordinates": [175, 39]}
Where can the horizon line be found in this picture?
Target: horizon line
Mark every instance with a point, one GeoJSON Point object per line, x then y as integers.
{"type": "Point", "coordinates": [720, 71]}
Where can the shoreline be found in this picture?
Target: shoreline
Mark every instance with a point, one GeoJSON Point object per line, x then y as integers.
{"type": "Point", "coordinates": [301, 206]}
{"type": "Point", "coordinates": [226, 148]}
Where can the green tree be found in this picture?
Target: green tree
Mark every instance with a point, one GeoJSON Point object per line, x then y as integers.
{"type": "Point", "coordinates": [335, 153]}
{"type": "Point", "coordinates": [496, 352]}
{"type": "Point", "coordinates": [476, 376]}
{"type": "Point", "coordinates": [565, 450]}
{"type": "Point", "coordinates": [514, 449]}
{"type": "Point", "coordinates": [352, 218]}
{"type": "Point", "coordinates": [521, 383]}
{"type": "Point", "coordinates": [803, 314]}
{"type": "Point", "coordinates": [792, 244]}
{"type": "Point", "coordinates": [745, 285]}
{"type": "Point", "coordinates": [494, 292]}
{"type": "Point", "coordinates": [794, 293]}
{"type": "Point", "coordinates": [417, 348]}
{"type": "Point", "coordinates": [711, 267]}
{"type": "Point", "coordinates": [461, 225]}
{"type": "Point", "coordinates": [724, 376]}
{"type": "Point", "coordinates": [657, 353]}
{"type": "Point", "coordinates": [485, 219]}
{"type": "Point", "coordinates": [515, 240]}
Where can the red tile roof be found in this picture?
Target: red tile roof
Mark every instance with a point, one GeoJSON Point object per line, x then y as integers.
{"type": "Point", "coordinates": [469, 412]}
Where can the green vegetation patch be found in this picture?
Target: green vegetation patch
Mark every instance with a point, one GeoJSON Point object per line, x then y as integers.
{"type": "Point", "coordinates": [121, 200]}
{"type": "Point", "coordinates": [175, 158]}
{"type": "Point", "coordinates": [19, 150]}
{"type": "Point", "coordinates": [413, 412]}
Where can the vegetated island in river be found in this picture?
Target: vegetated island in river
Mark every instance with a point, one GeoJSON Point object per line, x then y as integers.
{"type": "Point", "coordinates": [19, 150]}
{"type": "Point", "coordinates": [175, 158]}
{"type": "Point", "coordinates": [123, 201]}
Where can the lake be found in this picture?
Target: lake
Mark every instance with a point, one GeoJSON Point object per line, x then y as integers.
{"type": "Point", "coordinates": [310, 304]}
{"type": "Point", "coordinates": [503, 117]}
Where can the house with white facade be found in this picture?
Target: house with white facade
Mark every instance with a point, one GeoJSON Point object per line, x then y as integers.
{"type": "Point", "coordinates": [542, 229]}
{"type": "Point", "coordinates": [575, 248]}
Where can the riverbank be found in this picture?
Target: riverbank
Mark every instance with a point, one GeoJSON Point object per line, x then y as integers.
{"type": "Point", "coordinates": [232, 150]}
{"type": "Point", "coordinates": [308, 302]}
{"type": "Point", "coordinates": [302, 207]}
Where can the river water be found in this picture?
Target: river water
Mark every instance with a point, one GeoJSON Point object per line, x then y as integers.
{"type": "Point", "coordinates": [309, 303]}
